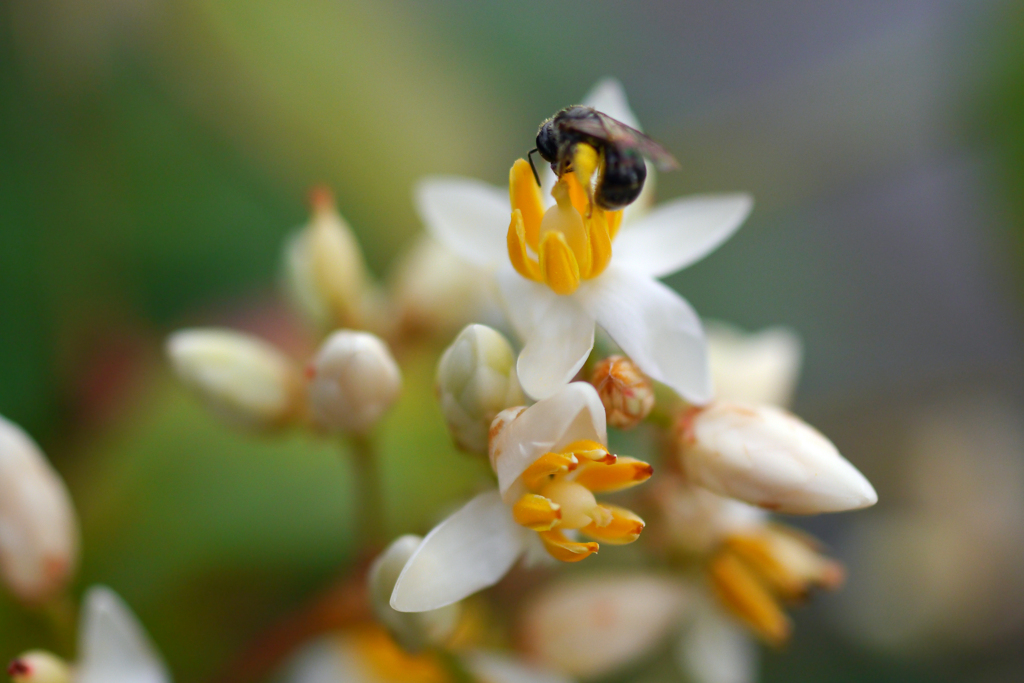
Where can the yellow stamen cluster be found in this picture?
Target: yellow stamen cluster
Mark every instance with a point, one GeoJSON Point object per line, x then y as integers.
{"type": "Point", "coordinates": [753, 573]}
{"type": "Point", "coordinates": [561, 488]}
{"type": "Point", "coordinates": [571, 241]}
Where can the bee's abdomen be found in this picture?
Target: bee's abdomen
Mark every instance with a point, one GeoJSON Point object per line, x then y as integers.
{"type": "Point", "coordinates": [623, 179]}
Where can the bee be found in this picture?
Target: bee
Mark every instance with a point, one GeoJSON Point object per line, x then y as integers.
{"type": "Point", "coordinates": [622, 149]}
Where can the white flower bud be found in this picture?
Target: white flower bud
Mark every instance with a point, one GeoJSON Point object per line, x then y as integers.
{"type": "Point", "coordinates": [769, 458]}
{"type": "Point", "coordinates": [354, 380]}
{"type": "Point", "coordinates": [324, 272]}
{"type": "Point", "coordinates": [476, 380]}
{"type": "Point", "coordinates": [412, 630]}
{"type": "Point", "coordinates": [39, 666]}
{"type": "Point", "coordinates": [627, 394]}
{"type": "Point", "coordinates": [437, 291]}
{"type": "Point", "coordinates": [38, 527]}
{"type": "Point", "coordinates": [243, 379]}
{"type": "Point", "coordinates": [753, 368]}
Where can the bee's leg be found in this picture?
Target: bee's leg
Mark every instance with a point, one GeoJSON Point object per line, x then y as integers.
{"type": "Point", "coordinates": [533, 168]}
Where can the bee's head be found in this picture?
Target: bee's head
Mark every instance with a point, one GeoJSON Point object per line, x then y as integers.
{"type": "Point", "coordinates": [547, 145]}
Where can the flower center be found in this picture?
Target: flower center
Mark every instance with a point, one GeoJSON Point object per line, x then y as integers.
{"type": "Point", "coordinates": [561, 488]}
{"type": "Point", "coordinates": [571, 241]}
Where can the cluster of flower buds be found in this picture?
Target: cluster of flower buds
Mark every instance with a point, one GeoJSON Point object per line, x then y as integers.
{"type": "Point", "coordinates": [38, 526]}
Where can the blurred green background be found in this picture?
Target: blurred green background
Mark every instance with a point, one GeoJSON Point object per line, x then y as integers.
{"type": "Point", "coordinates": [153, 155]}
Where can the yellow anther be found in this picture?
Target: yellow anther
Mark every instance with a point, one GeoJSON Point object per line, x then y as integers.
{"type": "Point", "coordinates": [577, 194]}
{"type": "Point", "coordinates": [558, 264]}
{"type": "Point", "coordinates": [600, 242]}
{"type": "Point", "coordinates": [740, 590]}
{"type": "Point", "coordinates": [624, 473]}
{"type": "Point", "coordinates": [787, 563]}
{"type": "Point", "coordinates": [614, 219]}
{"type": "Point", "coordinates": [585, 161]}
{"type": "Point", "coordinates": [622, 526]}
{"type": "Point", "coordinates": [561, 548]}
{"type": "Point", "coordinates": [547, 466]}
{"type": "Point", "coordinates": [526, 196]}
{"type": "Point", "coordinates": [576, 503]}
{"type": "Point", "coordinates": [521, 261]}
{"type": "Point", "coordinates": [536, 512]}
{"type": "Point", "coordinates": [586, 450]}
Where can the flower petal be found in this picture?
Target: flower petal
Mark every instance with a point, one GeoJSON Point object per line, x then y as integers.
{"type": "Point", "coordinates": [679, 233]}
{"type": "Point", "coordinates": [654, 326]}
{"type": "Point", "coordinates": [556, 349]}
{"type": "Point", "coordinates": [469, 216]}
{"type": "Point", "coordinates": [471, 550]}
{"type": "Point", "coordinates": [495, 668]}
{"type": "Point", "coordinates": [608, 96]}
{"type": "Point", "coordinates": [525, 301]}
{"type": "Point", "coordinates": [716, 649]}
{"type": "Point", "coordinates": [114, 646]}
{"type": "Point", "coordinates": [573, 414]}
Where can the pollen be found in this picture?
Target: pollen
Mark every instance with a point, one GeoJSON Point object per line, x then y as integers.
{"type": "Point", "coordinates": [560, 497]}
{"type": "Point", "coordinates": [568, 243]}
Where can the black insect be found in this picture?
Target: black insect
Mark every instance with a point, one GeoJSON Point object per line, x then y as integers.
{"type": "Point", "coordinates": [622, 148]}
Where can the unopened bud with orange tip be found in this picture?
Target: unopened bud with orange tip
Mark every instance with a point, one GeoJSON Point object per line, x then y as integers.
{"type": "Point", "coordinates": [325, 275]}
{"type": "Point", "coordinates": [38, 526]}
{"type": "Point", "coordinates": [627, 394]}
{"type": "Point", "coordinates": [476, 380]}
{"type": "Point", "coordinates": [39, 666]}
{"type": "Point", "coordinates": [353, 381]}
{"type": "Point", "coordinates": [240, 377]}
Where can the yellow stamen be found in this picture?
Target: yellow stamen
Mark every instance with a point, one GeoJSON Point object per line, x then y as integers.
{"type": "Point", "coordinates": [390, 662]}
{"type": "Point", "coordinates": [600, 243]}
{"type": "Point", "coordinates": [527, 198]}
{"type": "Point", "coordinates": [546, 466]}
{"type": "Point", "coordinates": [536, 512]}
{"type": "Point", "coordinates": [558, 264]}
{"type": "Point", "coordinates": [584, 449]}
{"type": "Point", "coordinates": [624, 526]}
{"type": "Point", "coordinates": [521, 261]}
{"type": "Point", "coordinates": [740, 590]}
{"type": "Point", "coordinates": [623, 474]}
{"type": "Point", "coordinates": [561, 548]}
{"type": "Point", "coordinates": [614, 222]}
{"type": "Point", "coordinates": [577, 193]}
{"type": "Point", "coordinates": [585, 161]}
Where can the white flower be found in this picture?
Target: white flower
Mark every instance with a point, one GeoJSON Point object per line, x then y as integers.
{"type": "Point", "coordinates": [555, 289]}
{"type": "Point", "coordinates": [761, 367]}
{"type": "Point", "coordinates": [476, 380]}
{"type": "Point", "coordinates": [240, 377]}
{"type": "Point", "coordinates": [353, 381]}
{"type": "Point", "coordinates": [38, 526]}
{"type": "Point", "coordinates": [550, 460]}
{"type": "Point", "coordinates": [112, 646]}
{"type": "Point", "coordinates": [767, 457]}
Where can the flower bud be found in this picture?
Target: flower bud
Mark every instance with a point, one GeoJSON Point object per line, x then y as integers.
{"type": "Point", "coordinates": [436, 290]}
{"type": "Point", "coordinates": [353, 381]}
{"type": "Point", "coordinates": [38, 527]}
{"type": "Point", "coordinates": [39, 666]}
{"type": "Point", "coordinates": [241, 378]}
{"type": "Point", "coordinates": [412, 630]}
{"type": "Point", "coordinates": [753, 368]}
{"type": "Point", "coordinates": [476, 380]}
{"type": "Point", "coordinates": [627, 395]}
{"type": "Point", "coordinates": [769, 458]}
{"type": "Point", "coordinates": [324, 272]}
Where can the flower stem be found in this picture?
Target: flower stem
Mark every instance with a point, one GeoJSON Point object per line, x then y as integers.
{"type": "Point", "coordinates": [369, 516]}
{"type": "Point", "coordinates": [457, 671]}
{"type": "Point", "coordinates": [60, 615]}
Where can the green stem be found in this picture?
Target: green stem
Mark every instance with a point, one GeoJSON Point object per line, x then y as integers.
{"type": "Point", "coordinates": [457, 671]}
{"type": "Point", "coordinates": [369, 493]}
{"type": "Point", "coordinates": [60, 616]}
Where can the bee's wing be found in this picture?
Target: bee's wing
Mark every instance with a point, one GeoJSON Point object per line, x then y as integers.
{"type": "Point", "coordinates": [605, 127]}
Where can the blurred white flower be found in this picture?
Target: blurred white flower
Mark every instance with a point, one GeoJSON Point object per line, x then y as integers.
{"type": "Point", "coordinates": [555, 302]}
{"type": "Point", "coordinates": [627, 395]}
{"type": "Point", "coordinates": [240, 377]}
{"type": "Point", "coordinates": [112, 648]}
{"type": "Point", "coordinates": [476, 380]}
{"type": "Point", "coordinates": [550, 460]}
{"type": "Point", "coordinates": [414, 631]}
{"type": "Point", "coordinates": [767, 457]}
{"type": "Point", "coordinates": [38, 526]}
{"type": "Point", "coordinates": [759, 368]}
{"type": "Point", "coordinates": [325, 276]}
{"type": "Point", "coordinates": [436, 290]}
{"type": "Point", "coordinates": [353, 381]}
